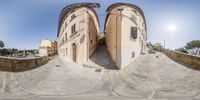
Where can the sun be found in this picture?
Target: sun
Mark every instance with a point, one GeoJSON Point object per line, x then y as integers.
{"type": "Point", "coordinates": [172, 27]}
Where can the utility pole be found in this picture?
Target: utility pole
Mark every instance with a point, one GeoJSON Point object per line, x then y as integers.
{"type": "Point", "coordinates": [164, 44]}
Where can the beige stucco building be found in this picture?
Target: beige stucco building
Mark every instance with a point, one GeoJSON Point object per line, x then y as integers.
{"type": "Point", "coordinates": [78, 30]}
{"type": "Point", "coordinates": [125, 33]}
{"type": "Point", "coordinates": [48, 48]}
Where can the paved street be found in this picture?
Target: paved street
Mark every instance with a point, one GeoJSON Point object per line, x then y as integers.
{"type": "Point", "coordinates": [150, 76]}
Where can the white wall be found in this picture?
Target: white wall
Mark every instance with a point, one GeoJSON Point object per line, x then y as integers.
{"type": "Point", "coordinates": [43, 52]}
{"type": "Point", "coordinates": [82, 27]}
{"type": "Point", "coordinates": [130, 45]}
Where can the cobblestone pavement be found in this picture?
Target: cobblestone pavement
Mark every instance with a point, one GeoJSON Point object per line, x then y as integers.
{"type": "Point", "coordinates": [150, 76]}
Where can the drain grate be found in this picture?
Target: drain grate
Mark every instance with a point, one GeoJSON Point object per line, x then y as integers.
{"type": "Point", "coordinates": [98, 70]}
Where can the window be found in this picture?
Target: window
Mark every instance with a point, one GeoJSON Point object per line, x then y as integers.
{"type": "Point", "coordinates": [66, 36]}
{"type": "Point", "coordinates": [91, 41]}
{"type": "Point", "coordinates": [65, 24]}
{"type": "Point", "coordinates": [72, 11]}
{"type": "Point", "coordinates": [62, 30]}
{"type": "Point", "coordinates": [73, 29]}
{"type": "Point", "coordinates": [137, 13]}
{"type": "Point", "coordinates": [134, 32]}
{"type": "Point", "coordinates": [66, 51]}
{"type": "Point", "coordinates": [62, 42]}
{"type": "Point", "coordinates": [132, 54]}
{"type": "Point", "coordinates": [143, 33]}
{"type": "Point", "coordinates": [134, 11]}
{"type": "Point", "coordinates": [133, 18]}
{"type": "Point", "coordinates": [73, 17]}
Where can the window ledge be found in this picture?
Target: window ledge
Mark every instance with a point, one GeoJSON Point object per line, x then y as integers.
{"type": "Point", "coordinates": [73, 34]}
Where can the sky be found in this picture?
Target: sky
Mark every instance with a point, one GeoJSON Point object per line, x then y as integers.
{"type": "Point", "coordinates": [24, 23]}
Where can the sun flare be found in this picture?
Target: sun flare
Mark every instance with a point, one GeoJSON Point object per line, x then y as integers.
{"type": "Point", "coordinates": [172, 27]}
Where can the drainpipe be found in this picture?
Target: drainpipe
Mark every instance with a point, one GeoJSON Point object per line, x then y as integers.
{"type": "Point", "coordinates": [88, 37]}
{"type": "Point", "coordinates": [120, 10]}
{"type": "Point", "coordinates": [164, 46]}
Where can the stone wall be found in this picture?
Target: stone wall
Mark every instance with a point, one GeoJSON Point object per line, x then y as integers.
{"type": "Point", "coordinates": [21, 64]}
{"type": "Point", "coordinates": [191, 60]}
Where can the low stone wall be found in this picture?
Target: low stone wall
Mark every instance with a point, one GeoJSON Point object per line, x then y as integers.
{"type": "Point", "coordinates": [193, 61]}
{"type": "Point", "coordinates": [21, 64]}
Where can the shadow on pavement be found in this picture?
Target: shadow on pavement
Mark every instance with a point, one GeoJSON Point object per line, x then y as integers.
{"type": "Point", "coordinates": [102, 58]}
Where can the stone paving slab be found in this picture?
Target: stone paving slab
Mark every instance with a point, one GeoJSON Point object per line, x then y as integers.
{"type": "Point", "coordinates": [92, 98]}
{"type": "Point", "coordinates": [51, 80]}
{"type": "Point", "coordinates": [150, 76]}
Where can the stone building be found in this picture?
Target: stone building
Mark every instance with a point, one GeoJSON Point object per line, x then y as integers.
{"type": "Point", "coordinates": [48, 48]}
{"type": "Point", "coordinates": [125, 33]}
{"type": "Point", "coordinates": [78, 29]}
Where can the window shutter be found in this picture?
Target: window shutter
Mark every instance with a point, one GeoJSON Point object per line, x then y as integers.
{"type": "Point", "coordinates": [66, 36]}
{"type": "Point", "coordinates": [134, 32]}
{"type": "Point", "coordinates": [73, 28]}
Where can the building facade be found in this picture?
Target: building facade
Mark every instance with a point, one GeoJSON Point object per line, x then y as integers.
{"type": "Point", "coordinates": [78, 30]}
{"type": "Point", "coordinates": [125, 33]}
{"type": "Point", "coordinates": [48, 48]}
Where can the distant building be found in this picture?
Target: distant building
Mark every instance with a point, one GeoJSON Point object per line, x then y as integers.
{"type": "Point", "coordinates": [78, 29]}
{"type": "Point", "coordinates": [157, 45]}
{"type": "Point", "coordinates": [48, 48]}
{"type": "Point", "coordinates": [125, 33]}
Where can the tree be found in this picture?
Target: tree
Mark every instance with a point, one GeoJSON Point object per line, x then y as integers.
{"type": "Point", "coordinates": [193, 47]}
{"type": "Point", "coordinates": [181, 50]}
{"type": "Point", "coordinates": [149, 44]}
{"type": "Point", "coordinates": [1, 44]}
{"type": "Point", "coordinates": [20, 51]}
{"type": "Point", "coordinates": [13, 51]}
{"type": "Point", "coordinates": [157, 45]}
{"type": "Point", "coordinates": [5, 51]}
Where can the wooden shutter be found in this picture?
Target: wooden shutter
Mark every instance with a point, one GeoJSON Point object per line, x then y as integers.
{"type": "Point", "coordinates": [134, 32]}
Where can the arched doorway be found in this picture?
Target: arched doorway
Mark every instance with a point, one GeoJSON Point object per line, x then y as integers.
{"type": "Point", "coordinates": [74, 52]}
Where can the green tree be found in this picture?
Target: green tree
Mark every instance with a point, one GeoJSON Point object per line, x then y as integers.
{"type": "Point", "coordinates": [20, 51]}
{"type": "Point", "coordinates": [181, 50]}
{"type": "Point", "coordinates": [1, 44]}
{"type": "Point", "coordinates": [4, 51]}
{"type": "Point", "coordinates": [13, 51]}
{"type": "Point", "coordinates": [193, 47]}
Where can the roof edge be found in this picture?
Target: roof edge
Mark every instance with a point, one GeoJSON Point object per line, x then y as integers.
{"type": "Point", "coordinates": [115, 5]}
{"type": "Point", "coordinates": [68, 8]}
